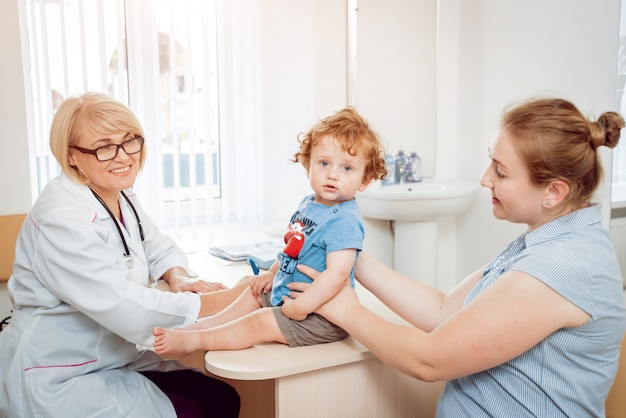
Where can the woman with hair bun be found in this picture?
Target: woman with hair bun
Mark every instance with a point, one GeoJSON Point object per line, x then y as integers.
{"type": "Point", "coordinates": [537, 331]}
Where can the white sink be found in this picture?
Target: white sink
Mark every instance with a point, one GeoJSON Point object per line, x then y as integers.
{"type": "Point", "coordinates": [415, 209]}
{"type": "Point", "coordinates": [427, 200]}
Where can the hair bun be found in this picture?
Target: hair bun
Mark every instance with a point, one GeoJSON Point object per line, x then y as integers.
{"type": "Point", "coordinates": [607, 130]}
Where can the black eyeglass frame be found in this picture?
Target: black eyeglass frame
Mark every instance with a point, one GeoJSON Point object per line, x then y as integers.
{"type": "Point", "coordinates": [94, 152]}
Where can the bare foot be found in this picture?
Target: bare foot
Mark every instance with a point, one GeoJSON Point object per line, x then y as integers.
{"type": "Point", "coordinates": [176, 342]}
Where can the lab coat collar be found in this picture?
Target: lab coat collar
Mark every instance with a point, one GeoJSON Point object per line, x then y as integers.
{"type": "Point", "coordinates": [84, 195]}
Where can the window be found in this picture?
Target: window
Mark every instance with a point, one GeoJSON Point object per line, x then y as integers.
{"type": "Point", "coordinates": [160, 58]}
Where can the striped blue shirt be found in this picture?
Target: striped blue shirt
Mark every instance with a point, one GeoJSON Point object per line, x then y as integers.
{"type": "Point", "coordinates": [570, 373]}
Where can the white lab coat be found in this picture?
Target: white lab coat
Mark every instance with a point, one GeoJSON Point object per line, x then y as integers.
{"type": "Point", "coordinates": [79, 312]}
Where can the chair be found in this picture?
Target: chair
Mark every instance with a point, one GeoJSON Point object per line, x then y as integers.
{"type": "Point", "coordinates": [616, 401]}
{"type": "Point", "coordinates": [10, 226]}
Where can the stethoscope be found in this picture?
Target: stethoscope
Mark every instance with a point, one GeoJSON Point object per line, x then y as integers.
{"type": "Point", "coordinates": [128, 259]}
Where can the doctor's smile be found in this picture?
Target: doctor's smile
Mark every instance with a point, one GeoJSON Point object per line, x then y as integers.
{"type": "Point", "coordinates": [121, 170]}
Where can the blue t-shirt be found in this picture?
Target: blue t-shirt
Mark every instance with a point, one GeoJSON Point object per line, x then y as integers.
{"type": "Point", "coordinates": [325, 229]}
{"type": "Point", "coordinates": [569, 373]}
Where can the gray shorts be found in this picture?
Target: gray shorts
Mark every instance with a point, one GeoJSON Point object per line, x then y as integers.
{"type": "Point", "coordinates": [314, 329]}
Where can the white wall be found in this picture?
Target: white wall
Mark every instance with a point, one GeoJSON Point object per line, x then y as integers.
{"type": "Point", "coordinates": [14, 168]}
{"type": "Point", "coordinates": [302, 54]}
{"type": "Point", "coordinates": [396, 73]}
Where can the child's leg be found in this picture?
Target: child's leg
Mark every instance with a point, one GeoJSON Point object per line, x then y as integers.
{"type": "Point", "coordinates": [255, 327]}
{"type": "Point", "coordinates": [244, 304]}
{"type": "Point", "coordinates": [220, 299]}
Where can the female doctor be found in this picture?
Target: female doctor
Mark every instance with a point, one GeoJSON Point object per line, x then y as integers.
{"type": "Point", "coordinates": [85, 262]}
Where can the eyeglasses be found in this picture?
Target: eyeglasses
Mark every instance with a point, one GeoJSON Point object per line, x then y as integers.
{"type": "Point", "coordinates": [109, 152]}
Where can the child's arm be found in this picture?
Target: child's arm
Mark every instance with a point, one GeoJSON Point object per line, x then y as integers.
{"type": "Point", "coordinates": [338, 267]}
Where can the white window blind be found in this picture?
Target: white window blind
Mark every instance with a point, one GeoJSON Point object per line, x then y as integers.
{"type": "Point", "coordinates": [161, 58]}
{"type": "Point", "coordinates": [67, 49]}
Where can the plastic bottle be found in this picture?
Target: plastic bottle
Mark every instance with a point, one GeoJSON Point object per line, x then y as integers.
{"type": "Point", "coordinates": [401, 162]}
{"type": "Point", "coordinates": [414, 174]}
{"type": "Point", "coordinates": [390, 163]}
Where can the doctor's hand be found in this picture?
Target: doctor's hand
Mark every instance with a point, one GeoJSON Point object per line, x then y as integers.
{"type": "Point", "coordinates": [180, 281]}
{"type": "Point", "coordinates": [334, 309]}
{"type": "Point", "coordinates": [190, 284]}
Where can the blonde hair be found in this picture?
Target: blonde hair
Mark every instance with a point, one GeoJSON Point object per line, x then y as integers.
{"type": "Point", "coordinates": [95, 112]}
{"type": "Point", "coordinates": [352, 131]}
{"type": "Point", "coordinates": [558, 142]}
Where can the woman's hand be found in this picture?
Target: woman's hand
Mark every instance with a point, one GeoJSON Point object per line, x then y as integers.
{"type": "Point", "coordinates": [180, 284]}
{"type": "Point", "coordinates": [335, 308]}
{"type": "Point", "coordinates": [289, 309]}
{"type": "Point", "coordinates": [180, 281]}
{"type": "Point", "coordinates": [190, 284]}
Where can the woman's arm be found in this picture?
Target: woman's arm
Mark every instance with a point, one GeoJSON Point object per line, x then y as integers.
{"type": "Point", "coordinates": [420, 304]}
{"type": "Point", "coordinates": [212, 300]}
{"type": "Point", "coordinates": [512, 315]}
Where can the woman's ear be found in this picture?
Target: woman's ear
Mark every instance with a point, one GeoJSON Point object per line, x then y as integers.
{"type": "Point", "coordinates": [71, 159]}
{"type": "Point", "coordinates": [557, 192]}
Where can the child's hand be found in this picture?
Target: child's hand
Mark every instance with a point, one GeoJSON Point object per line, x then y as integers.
{"type": "Point", "coordinates": [261, 284]}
